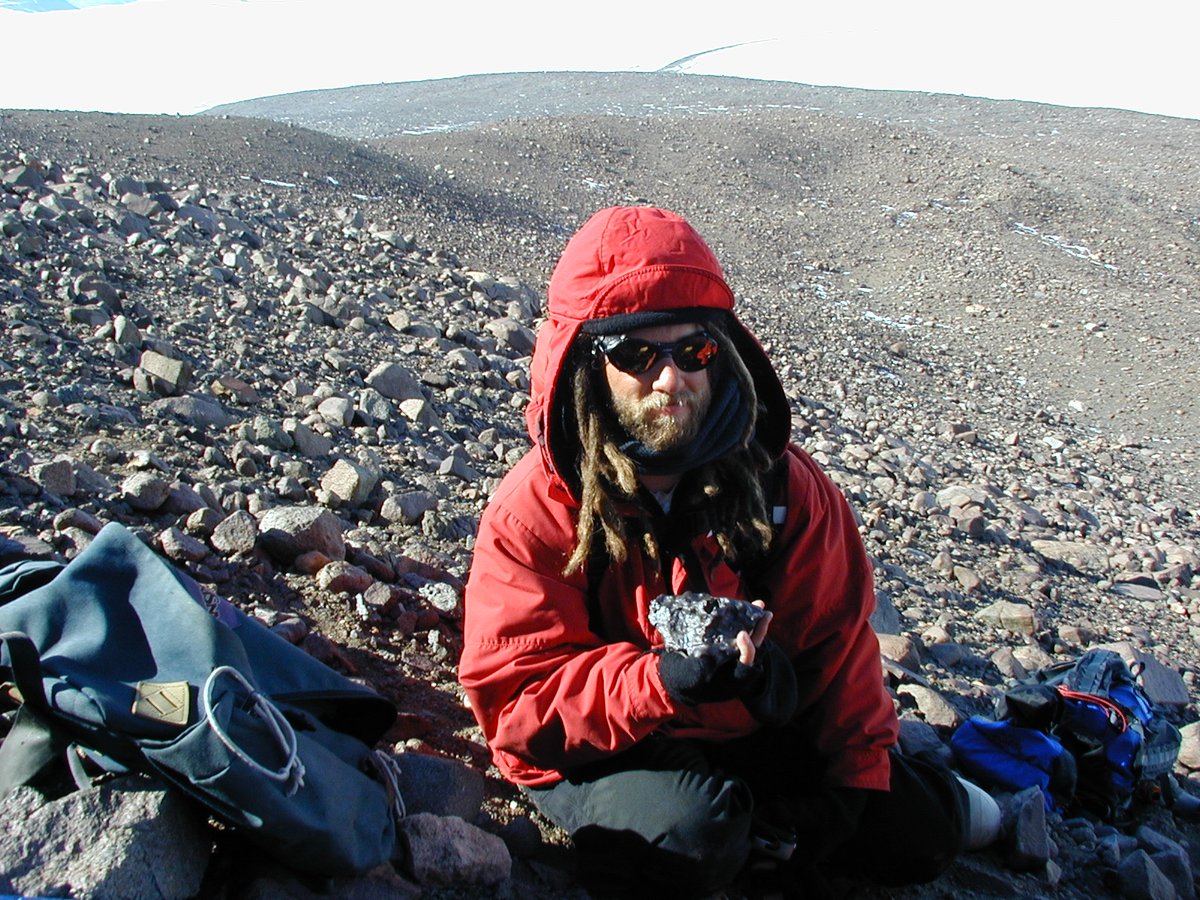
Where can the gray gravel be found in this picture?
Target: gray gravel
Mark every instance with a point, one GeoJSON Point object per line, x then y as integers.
{"type": "Point", "coordinates": [980, 311]}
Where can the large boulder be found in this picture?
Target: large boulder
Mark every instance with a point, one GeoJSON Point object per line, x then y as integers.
{"type": "Point", "coordinates": [445, 850]}
{"type": "Point", "coordinates": [125, 838]}
{"type": "Point", "coordinates": [395, 382]}
{"type": "Point", "coordinates": [289, 531]}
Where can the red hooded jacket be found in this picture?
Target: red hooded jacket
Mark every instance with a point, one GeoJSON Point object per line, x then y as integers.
{"type": "Point", "coordinates": [555, 682]}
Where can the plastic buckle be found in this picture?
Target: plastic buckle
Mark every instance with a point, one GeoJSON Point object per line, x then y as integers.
{"type": "Point", "coordinates": [778, 846]}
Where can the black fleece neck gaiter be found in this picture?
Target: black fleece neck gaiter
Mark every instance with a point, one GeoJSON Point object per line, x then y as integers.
{"type": "Point", "coordinates": [723, 430]}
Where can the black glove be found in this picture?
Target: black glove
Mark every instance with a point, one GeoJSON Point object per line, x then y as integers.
{"type": "Point", "coordinates": [703, 679]}
{"type": "Point", "coordinates": [774, 701]}
{"type": "Point", "coordinates": [767, 688]}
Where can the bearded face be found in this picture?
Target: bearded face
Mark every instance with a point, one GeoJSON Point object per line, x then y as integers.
{"type": "Point", "coordinates": [664, 406]}
{"type": "Point", "coordinates": [663, 421]}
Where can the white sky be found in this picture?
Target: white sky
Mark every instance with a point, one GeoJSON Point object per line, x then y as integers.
{"type": "Point", "coordinates": [182, 56]}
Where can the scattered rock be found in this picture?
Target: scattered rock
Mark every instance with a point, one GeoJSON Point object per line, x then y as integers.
{"type": "Point", "coordinates": [192, 410]}
{"type": "Point", "coordinates": [166, 375]}
{"type": "Point", "coordinates": [395, 382]}
{"type": "Point", "coordinates": [409, 507]}
{"type": "Point", "coordinates": [349, 482]}
{"type": "Point", "coordinates": [1189, 750]}
{"type": "Point", "coordinates": [1024, 824]}
{"type": "Point", "coordinates": [443, 787]}
{"type": "Point", "coordinates": [934, 708]}
{"type": "Point", "coordinates": [236, 534]}
{"type": "Point", "coordinates": [144, 491]}
{"type": "Point", "coordinates": [57, 477]}
{"type": "Point", "coordinates": [1088, 557]}
{"type": "Point", "coordinates": [446, 850]}
{"type": "Point", "coordinates": [106, 841]}
{"type": "Point", "coordinates": [900, 649]}
{"type": "Point", "coordinates": [340, 577]}
{"type": "Point", "coordinates": [971, 486]}
{"type": "Point", "coordinates": [307, 442]}
{"type": "Point", "coordinates": [288, 531]}
{"type": "Point", "coordinates": [1007, 616]}
{"type": "Point", "coordinates": [180, 547]}
{"type": "Point", "coordinates": [1141, 879]}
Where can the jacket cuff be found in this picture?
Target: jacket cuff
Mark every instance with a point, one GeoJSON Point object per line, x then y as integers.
{"type": "Point", "coordinates": [657, 702]}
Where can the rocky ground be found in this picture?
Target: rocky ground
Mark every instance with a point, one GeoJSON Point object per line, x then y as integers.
{"type": "Point", "coordinates": [980, 311]}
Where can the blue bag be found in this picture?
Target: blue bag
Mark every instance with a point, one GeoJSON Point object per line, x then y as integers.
{"type": "Point", "coordinates": [124, 659]}
{"type": "Point", "coordinates": [1093, 710]}
{"type": "Point", "coordinates": [1007, 756]}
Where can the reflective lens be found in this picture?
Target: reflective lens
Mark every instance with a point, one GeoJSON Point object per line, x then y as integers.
{"type": "Point", "coordinates": [636, 356]}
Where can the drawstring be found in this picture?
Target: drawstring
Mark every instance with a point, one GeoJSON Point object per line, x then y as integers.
{"type": "Point", "coordinates": [291, 774]}
{"type": "Point", "coordinates": [388, 768]}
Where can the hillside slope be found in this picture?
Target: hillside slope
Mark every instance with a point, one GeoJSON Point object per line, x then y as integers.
{"type": "Point", "coordinates": [981, 313]}
{"type": "Point", "coordinates": [1060, 245]}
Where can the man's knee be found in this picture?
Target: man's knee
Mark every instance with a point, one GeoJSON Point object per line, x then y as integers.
{"type": "Point", "coordinates": [693, 839]}
{"type": "Point", "coordinates": [714, 835]}
{"type": "Point", "coordinates": [911, 833]}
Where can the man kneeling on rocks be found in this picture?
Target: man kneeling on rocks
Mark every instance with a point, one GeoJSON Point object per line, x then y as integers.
{"type": "Point", "coordinates": [662, 465]}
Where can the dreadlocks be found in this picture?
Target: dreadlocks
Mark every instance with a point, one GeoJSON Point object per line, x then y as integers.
{"type": "Point", "coordinates": [734, 507]}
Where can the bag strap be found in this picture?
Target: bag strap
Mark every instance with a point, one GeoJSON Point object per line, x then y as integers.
{"type": "Point", "coordinates": [32, 754]}
{"type": "Point", "coordinates": [32, 748]}
{"type": "Point", "coordinates": [1160, 749]}
{"type": "Point", "coordinates": [1093, 674]}
{"type": "Point", "coordinates": [25, 663]}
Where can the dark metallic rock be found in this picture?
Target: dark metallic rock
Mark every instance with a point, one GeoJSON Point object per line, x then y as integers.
{"type": "Point", "coordinates": [700, 624]}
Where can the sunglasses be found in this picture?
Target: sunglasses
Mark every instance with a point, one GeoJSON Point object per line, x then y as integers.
{"type": "Point", "coordinates": [636, 356]}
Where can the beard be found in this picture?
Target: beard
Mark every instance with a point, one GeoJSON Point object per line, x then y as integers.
{"type": "Point", "coordinates": [658, 431]}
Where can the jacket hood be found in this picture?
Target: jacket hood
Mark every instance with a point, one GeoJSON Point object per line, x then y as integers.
{"type": "Point", "coordinates": [628, 262]}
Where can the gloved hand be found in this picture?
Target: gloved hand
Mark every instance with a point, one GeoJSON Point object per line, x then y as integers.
{"type": "Point", "coordinates": [702, 679]}
{"type": "Point", "coordinates": [767, 686]}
